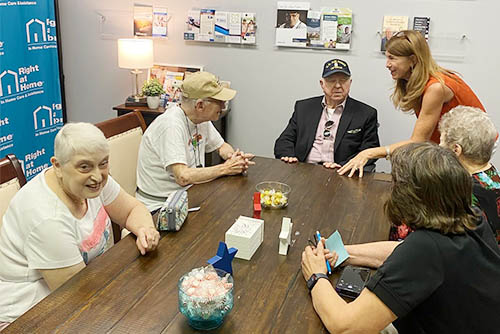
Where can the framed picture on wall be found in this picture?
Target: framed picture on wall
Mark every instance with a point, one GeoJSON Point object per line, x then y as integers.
{"type": "Point", "coordinates": [171, 77]}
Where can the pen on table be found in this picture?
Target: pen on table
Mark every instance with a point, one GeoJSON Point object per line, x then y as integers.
{"type": "Point", "coordinates": [196, 208]}
{"type": "Point", "coordinates": [311, 243]}
{"type": "Point", "coordinates": [327, 263]}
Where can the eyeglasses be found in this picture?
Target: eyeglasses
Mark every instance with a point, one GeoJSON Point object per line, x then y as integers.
{"type": "Point", "coordinates": [401, 34]}
{"type": "Point", "coordinates": [328, 125]}
{"type": "Point", "coordinates": [222, 104]}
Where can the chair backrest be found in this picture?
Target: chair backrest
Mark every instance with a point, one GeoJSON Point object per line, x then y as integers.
{"type": "Point", "coordinates": [124, 135]}
{"type": "Point", "coordinates": [11, 180]}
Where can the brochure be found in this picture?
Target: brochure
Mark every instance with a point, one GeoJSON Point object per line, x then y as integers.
{"type": "Point", "coordinates": [207, 25]}
{"type": "Point", "coordinates": [313, 29]}
{"type": "Point", "coordinates": [143, 20]}
{"type": "Point", "coordinates": [172, 86]}
{"type": "Point", "coordinates": [291, 29]}
{"type": "Point", "coordinates": [344, 29]}
{"type": "Point", "coordinates": [192, 25]}
{"type": "Point", "coordinates": [329, 27]}
{"type": "Point", "coordinates": [421, 24]}
{"type": "Point", "coordinates": [234, 28]}
{"type": "Point", "coordinates": [221, 26]}
{"type": "Point", "coordinates": [391, 25]}
{"type": "Point", "coordinates": [248, 28]}
{"type": "Point", "coordinates": [160, 22]}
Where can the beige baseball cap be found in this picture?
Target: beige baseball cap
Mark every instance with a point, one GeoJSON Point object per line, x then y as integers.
{"type": "Point", "coordinates": [201, 85]}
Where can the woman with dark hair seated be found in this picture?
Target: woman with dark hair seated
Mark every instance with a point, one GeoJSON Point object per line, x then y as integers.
{"type": "Point", "coordinates": [470, 133]}
{"type": "Point", "coordinates": [443, 278]}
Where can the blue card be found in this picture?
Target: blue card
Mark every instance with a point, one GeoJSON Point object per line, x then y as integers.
{"type": "Point", "coordinates": [334, 243]}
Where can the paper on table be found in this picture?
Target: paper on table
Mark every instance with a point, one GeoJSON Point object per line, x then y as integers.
{"type": "Point", "coordinates": [334, 243]}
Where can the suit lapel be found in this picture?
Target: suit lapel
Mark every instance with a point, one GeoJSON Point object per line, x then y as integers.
{"type": "Point", "coordinates": [313, 121]}
{"type": "Point", "coordinates": [345, 120]}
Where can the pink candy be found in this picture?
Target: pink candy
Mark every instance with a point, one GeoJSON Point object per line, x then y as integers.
{"type": "Point", "coordinates": [205, 283]}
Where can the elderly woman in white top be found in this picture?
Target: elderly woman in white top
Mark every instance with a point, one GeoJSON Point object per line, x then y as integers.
{"type": "Point", "coordinates": [61, 220]}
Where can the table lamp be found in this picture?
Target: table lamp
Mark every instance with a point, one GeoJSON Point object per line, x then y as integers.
{"type": "Point", "coordinates": [135, 54]}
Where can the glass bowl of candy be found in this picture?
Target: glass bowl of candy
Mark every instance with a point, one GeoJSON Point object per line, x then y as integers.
{"type": "Point", "coordinates": [273, 195]}
{"type": "Point", "coordinates": [205, 297]}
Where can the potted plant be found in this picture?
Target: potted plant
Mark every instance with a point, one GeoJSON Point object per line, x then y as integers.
{"type": "Point", "coordinates": [152, 89]}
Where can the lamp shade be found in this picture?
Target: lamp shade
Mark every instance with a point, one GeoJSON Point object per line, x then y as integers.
{"type": "Point", "coordinates": [135, 53]}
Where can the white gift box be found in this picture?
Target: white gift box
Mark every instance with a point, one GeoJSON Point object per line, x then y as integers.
{"type": "Point", "coordinates": [246, 235]}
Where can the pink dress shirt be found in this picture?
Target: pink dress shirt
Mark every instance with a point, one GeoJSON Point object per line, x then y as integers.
{"type": "Point", "coordinates": [322, 149]}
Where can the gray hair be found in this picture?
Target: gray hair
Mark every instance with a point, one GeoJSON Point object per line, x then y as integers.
{"type": "Point", "coordinates": [472, 129]}
{"type": "Point", "coordinates": [74, 138]}
{"type": "Point", "coordinates": [189, 103]}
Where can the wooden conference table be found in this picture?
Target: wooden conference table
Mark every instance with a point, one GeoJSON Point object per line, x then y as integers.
{"type": "Point", "coordinates": [123, 292]}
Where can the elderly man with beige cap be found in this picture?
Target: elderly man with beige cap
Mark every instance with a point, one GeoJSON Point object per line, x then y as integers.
{"type": "Point", "coordinates": [172, 151]}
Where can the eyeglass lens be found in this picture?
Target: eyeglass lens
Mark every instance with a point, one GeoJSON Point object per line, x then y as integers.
{"type": "Point", "coordinates": [403, 35]}
{"type": "Point", "coordinates": [328, 126]}
{"type": "Point", "coordinates": [337, 81]}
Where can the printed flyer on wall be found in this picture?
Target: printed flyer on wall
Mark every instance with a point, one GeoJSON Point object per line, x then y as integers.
{"type": "Point", "coordinates": [291, 27]}
{"type": "Point", "coordinates": [313, 29]}
{"type": "Point", "coordinates": [248, 28]}
{"type": "Point", "coordinates": [234, 28]}
{"type": "Point", "coordinates": [344, 28]}
{"type": "Point", "coordinates": [143, 20]}
{"type": "Point", "coordinates": [160, 20]}
{"type": "Point", "coordinates": [328, 28]}
{"type": "Point", "coordinates": [422, 25]}
{"type": "Point", "coordinates": [221, 26]}
{"type": "Point", "coordinates": [209, 25]}
{"type": "Point", "coordinates": [192, 25]}
{"type": "Point", "coordinates": [391, 25]}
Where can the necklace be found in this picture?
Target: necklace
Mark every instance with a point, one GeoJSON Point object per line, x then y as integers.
{"type": "Point", "coordinates": [194, 141]}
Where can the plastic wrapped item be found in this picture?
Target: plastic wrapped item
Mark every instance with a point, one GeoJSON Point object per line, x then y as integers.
{"type": "Point", "coordinates": [205, 297]}
{"type": "Point", "coordinates": [273, 195]}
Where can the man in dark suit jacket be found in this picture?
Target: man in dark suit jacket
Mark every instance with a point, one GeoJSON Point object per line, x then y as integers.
{"type": "Point", "coordinates": [329, 129]}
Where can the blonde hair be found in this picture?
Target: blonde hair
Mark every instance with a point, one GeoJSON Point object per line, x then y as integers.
{"type": "Point", "coordinates": [407, 95]}
{"type": "Point", "coordinates": [472, 129]}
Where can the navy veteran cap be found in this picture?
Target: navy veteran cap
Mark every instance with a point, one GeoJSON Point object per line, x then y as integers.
{"type": "Point", "coordinates": [335, 66]}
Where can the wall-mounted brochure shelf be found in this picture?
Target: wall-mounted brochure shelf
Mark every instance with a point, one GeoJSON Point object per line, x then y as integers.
{"type": "Point", "coordinates": [221, 27]}
{"type": "Point", "coordinates": [444, 47]}
{"type": "Point", "coordinates": [151, 23]}
{"type": "Point", "coordinates": [114, 24]}
{"type": "Point", "coordinates": [299, 27]}
{"type": "Point", "coordinates": [449, 47]}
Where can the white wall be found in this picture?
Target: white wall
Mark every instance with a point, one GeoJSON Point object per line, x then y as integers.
{"type": "Point", "coordinates": [270, 79]}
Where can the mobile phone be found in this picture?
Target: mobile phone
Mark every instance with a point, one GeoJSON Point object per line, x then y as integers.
{"type": "Point", "coordinates": [352, 281]}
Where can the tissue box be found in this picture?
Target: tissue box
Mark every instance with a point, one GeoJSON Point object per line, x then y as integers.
{"type": "Point", "coordinates": [246, 235]}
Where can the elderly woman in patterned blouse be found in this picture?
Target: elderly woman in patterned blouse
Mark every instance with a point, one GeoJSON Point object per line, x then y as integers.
{"type": "Point", "coordinates": [61, 220]}
{"type": "Point", "coordinates": [470, 133]}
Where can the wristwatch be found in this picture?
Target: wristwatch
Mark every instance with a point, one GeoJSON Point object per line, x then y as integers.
{"type": "Point", "coordinates": [311, 282]}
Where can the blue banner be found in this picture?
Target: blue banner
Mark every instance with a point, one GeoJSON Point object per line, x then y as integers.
{"type": "Point", "coordinates": [31, 107]}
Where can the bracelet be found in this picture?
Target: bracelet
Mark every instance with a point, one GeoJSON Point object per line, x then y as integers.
{"type": "Point", "coordinates": [387, 153]}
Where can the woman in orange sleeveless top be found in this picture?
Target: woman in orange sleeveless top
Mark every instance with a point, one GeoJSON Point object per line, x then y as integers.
{"type": "Point", "coordinates": [422, 87]}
